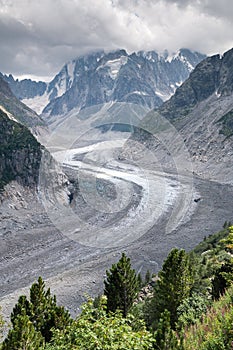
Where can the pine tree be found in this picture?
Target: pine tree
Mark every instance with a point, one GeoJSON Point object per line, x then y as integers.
{"type": "Point", "coordinates": [223, 278]}
{"type": "Point", "coordinates": [121, 286]}
{"type": "Point", "coordinates": [174, 285]}
{"type": "Point", "coordinates": [140, 283]}
{"type": "Point", "coordinates": [1, 325]}
{"type": "Point", "coordinates": [22, 306]}
{"type": "Point", "coordinates": [147, 277]}
{"type": "Point", "coordinates": [23, 335]}
{"type": "Point", "coordinates": [45, 314]}
{"type": "Point", "coordinates": [165, 337]}
{"type": "Point", "coordinates": [42, 311]}
{"type": "Point", "coordinates": [42, 304]}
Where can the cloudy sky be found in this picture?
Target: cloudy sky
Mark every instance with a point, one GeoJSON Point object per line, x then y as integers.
{"type": "Point", "coordinates": [38, 36]}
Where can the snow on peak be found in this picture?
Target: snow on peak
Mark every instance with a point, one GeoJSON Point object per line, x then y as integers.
{"type": "Point", "coordinates": [115, 66]}
{"type": "Point", "coordinates": [187, 63]}
{"type": "Point", "coordinates": [70, 71]}
{"type": "Point", "coordinates": [178, 56]}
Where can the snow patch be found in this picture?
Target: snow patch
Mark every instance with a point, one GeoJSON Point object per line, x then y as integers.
{"type": "Point", "coordinates": [10, 116]}
{"type": "Point", "coordinates": [164, 96]}
{"type": "Point", "coordinates": [142, 93]}
{"type": "Point", "coordinates": [70, 70]}
{"type": "Point", "coordinates": [149, 56]}
{"type": "Point", "coordinates": [115, 66]}
{"type": "Point", "coordinates": [37, 103]}
{"type": "Point", "coordinates": [169, 58]}
{"type": "Point", "coordinates": [187, 63]}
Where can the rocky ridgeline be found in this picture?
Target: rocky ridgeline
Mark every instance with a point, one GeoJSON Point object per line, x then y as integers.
{"type": "Point", "coordinates": [195, 126]}
{"type": "Point", "coordinates": [213, 76]}
{"type": "Point", "coordinates": [22, 113]}
{"type": "Point", "coordinates": [144, 78]}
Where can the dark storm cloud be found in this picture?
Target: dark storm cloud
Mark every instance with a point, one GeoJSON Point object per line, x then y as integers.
{"type": "Point", "coordinates": [37, 37]}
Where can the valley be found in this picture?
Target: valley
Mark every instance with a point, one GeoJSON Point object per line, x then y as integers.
{"type": "Point", "coordinates": [112, 176]}
{"type": "Point", "coordinates": [128, 208]}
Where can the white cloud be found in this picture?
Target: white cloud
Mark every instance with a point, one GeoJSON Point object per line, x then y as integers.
{"type": "Point", "coordinates": [38, 37]}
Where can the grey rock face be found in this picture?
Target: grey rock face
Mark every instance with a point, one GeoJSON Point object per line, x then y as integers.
{"type": "Point", "coordinates": [144, 78]}
{"type": "Point", "coordinates": [20, 111]}
{"type": "Point", "coordinates": [212, 75]}
{"type": "Point", "coordinates": [25, 88]}
{"type": "Point", "coordinates": [201, 110]}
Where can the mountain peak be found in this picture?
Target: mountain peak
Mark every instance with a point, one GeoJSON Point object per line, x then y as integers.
{"type": "Point", "coordinates": [145, 78]}
{"type": "Point", "coordinates": [211, 76]}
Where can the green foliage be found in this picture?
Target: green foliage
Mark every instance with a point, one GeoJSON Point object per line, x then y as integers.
{"type": "Point", "coordinates": [107, 331]}
{"type": "Point", "coordinates": [148, 277]}
{"type": "Point", "coordinates": [121, 286]}
{"type": "Point", "coordinates": [211, 242]}
{"type": "Point", "coordinates": [227, 124]}
{"type": "Point", "coordinates": [45, 314]}
{"type": "Point", "coordinates": [228, 241]}
{"type": "Point", "coordinates": [16, 139]}
{"type": "Point", "coordinates": [212, 254]}
{"type": "Point", "coordinates": [41, 313]}
{"type": "Point", "coordinates": [16, 136]}
{"type": "Point", "coordinates": [175, 282]}
{"type": "Point", "coordinates": [2, 323]}
{"type": "Point", "coordinates": [222, 280]}
{"type": "Point", "coordinates": [140, 282]}
{"type": "Point", "coordinates": [214, 331]}
{"type": "Point", "coordinates": [23, 335]}
{"type": "Point", "coordinates": [165, 337]}
{"type": "Point", "coordinates": [22, 306]}
{"type": "Point", "coordinates": [191, 310]}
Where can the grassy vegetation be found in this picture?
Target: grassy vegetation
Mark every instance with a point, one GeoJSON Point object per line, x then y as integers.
{"type": "Point", "coordinates": [227, 124]}
{"type": "Point", "coordinates": [16, 143]}
{"type": "Point", "coordinates": [215, 329]}
{"type": "Point", "coordinates": [212, 241]}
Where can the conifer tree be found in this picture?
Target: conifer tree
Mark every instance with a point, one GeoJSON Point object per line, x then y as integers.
{"type": "Point", "coordinates": [140, 283]}
{"type": "Point", "coordinates": [45, 314]}
{"type": "Point", "coordinates": [1, 325]}
{"type": "Point", "coordinates": [165, 337]}
{"type": "Point", "coordinates": [23, 335]}
{"type": "Point", "coordinates": [42, 312]}
{"type": "Point", "coordinates": [147, 277]}
{"type": "Point", "coordinates": [121, 286]}
{"type": "Point", "coordinates": [174, 285]}
{"type": "Point", "coordinates": [22, 306]}
{"type": "Point", "coordinates": [223, 278]}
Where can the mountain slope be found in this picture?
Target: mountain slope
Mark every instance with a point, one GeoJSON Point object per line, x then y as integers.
{"type": "Point", "coordinates": [211, 76]}
{"type": "Point", "coordinates": [20, 153]}
{"type": "Point", "coordinates": [22, 113]}
{"type": "Point", "coordinates": [144, 78]}
{"type": "Point", "coordinates": [201, 110]}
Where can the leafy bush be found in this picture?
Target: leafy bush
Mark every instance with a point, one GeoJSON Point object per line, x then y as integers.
{"type": "Point", "coordinates": [95, 329]}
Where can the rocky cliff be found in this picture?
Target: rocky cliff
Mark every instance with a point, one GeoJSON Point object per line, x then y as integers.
{"type": "Point", "coordinates": [144, 78]}
{"type": "Point", "coordinates": [213, 76]}
{"type": "Point", "coordinates": [22, 113]}
{"type": "Point", "coordinates": [20, 153]}
{"type": "Point", "coordinates": [199, 119]}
